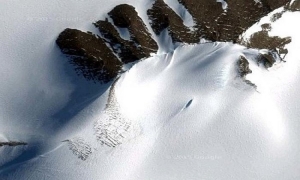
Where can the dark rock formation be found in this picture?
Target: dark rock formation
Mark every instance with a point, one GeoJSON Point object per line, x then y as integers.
{"type": "Point", "coordinates": [140, 45]}
{"type": "Point", "coordinates": [266, 27]}
{"type": "Point", "coordinates": [295, 6]}
{"type": "Point", "coordinates": [163, 17]}
{"type": "Point", "coordinates": [268, 58]}
{"type": "Point", "coordinates": [90, 55]}
{"type": "Point", "coordinates": [127, 50]}
{"type": "Point", "coordinates": [244, 70]}
{"type": "Point", "coordinates": [96, 61]}
{"type": "Point", "coordinates": [262, 40]}
{"type": "Point", "coordinates": [276, 16]}
{"type": "Point", "coordinates": [125, 16]}
{"type": "Point", "coordinates": [274, 4]}
{"type": "Point", "coordinates": [243, 67]}
{"type": "Point", "coordinates": [12, 143]}
{"type": "Point", "coordinates": [218, 25]}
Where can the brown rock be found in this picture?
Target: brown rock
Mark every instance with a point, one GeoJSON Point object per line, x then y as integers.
{"type": "Point", "coordinates": [262, 40]}
{"type": "Point", "coordinates": [89, 53]}
{"type": "Point", "coordinates": [218, 25]}
{"type": "Point", "coordinates": [243, 67]}
{"type": "Point", "coordinates": [127, 50]}
{"type": "Point", "coordinates": [95, 61]}
{"type": "Point", "coordinates": [295, 6]}
{"type": "Point", "coordinates": [162, 16]}
{"type": "Point", "coordinates": [125, 16]}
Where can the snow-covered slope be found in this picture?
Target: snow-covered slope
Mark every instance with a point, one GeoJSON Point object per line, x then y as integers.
{"type": "Point", "coordinates": [182, 114]}
{"type": "Point", "coordinates": [40, 92]}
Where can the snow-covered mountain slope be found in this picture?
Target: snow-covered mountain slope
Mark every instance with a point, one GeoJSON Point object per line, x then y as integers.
{"type": "Point", "coordinates": [40, 93]}
{"type": "Point", "coordinates": [182, 114]}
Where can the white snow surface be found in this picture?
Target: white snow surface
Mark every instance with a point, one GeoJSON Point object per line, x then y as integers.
{"type": "Point", "coordinates": [190, 116]}
{"type": "Point", "coordinates": [224, 4]}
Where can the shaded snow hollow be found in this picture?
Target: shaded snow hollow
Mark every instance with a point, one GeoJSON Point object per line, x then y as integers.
{"type": "Point", "coordinates": [187, 113]}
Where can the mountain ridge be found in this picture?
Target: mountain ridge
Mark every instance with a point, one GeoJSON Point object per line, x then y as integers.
{"type": "Point", "coordinates": [212, 23]}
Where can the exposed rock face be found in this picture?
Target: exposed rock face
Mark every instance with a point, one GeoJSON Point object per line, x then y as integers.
{"type": "Point", "coordinates": [125, 16]}
{"type": "Point", "coordinates": [218, 25]}
{"type": "Point", "coordinates": [89, 53]}
{"type": "Point", "coordinates": [126, 50]}
{"type": "Point", "coordinates": [262, 40]}
{"type": "Point", "coordinates": [267, 58]}
{"type": "Point", "coordinates": [96, 61]}
{"type": "Point", "coordinates": [276, 16]}
{"type": "Point", "coordinates": [140, 45]}
{"type": "Point", "coordinates": [295, 6]}
{"type": "Point", "coordinates": [243, 67]}
{"type": "Point", "coordinates": [244, 70]}
{"type": "Point", "coordinates": [162, 17]}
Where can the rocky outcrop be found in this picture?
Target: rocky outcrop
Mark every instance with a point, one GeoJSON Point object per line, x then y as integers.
{"type": "Point", "coordinates": [100, 58]}
{"type": "Point", "coordinates": [244, 70]}
{"type": "Point", "coordinates": [140, 45]}
{"type": "Point", "coordinates": [12, 143]}
{"type": "Point", "coordinates": [90, 55]}
{"type": "Point", "coordinates": [126, 50]}
{"type": "Point", "coordinates": [262, 40]}
{"type": "Point", "coordinates": [163, 17]}
{"type": "Point", "coordinates": [217, 24]}
{"type": "Point", "coordinates": [268, 58]}
{"type": "Point", "coordinates": [125, 16]}
{"type": "Point", "coordinates": [294, 6]}
{"type": "Point", "coordinates": [243, 67]}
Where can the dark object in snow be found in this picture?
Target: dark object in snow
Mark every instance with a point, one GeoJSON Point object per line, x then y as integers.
{"type": "Point", "coordinates": [188, 104]}
{"type": "Point", "coordinates": [243, 67]}
{"type": "Point", "coordinates": [250, 83]}
{"type": "Point", "coordinates": [244, 70]}
{"type": "Point", "coordinates": [268, 59]}
{"type": "Point", "coordinates": [12, 143]}
{"type": "Point", "coordinates": [276, 16]}
{"type": "Point", "coordinates": [266, 27]}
